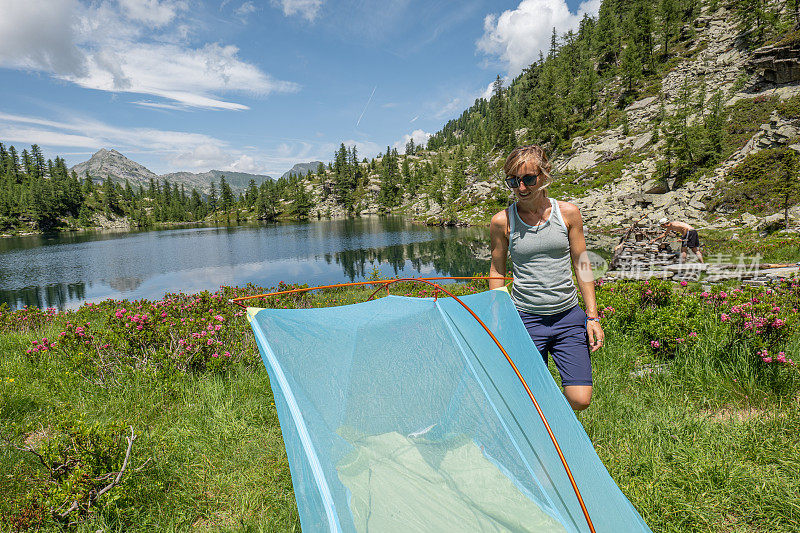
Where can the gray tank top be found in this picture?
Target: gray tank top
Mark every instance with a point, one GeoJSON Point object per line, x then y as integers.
{"type": "Point", "coordinates": [541, 264]}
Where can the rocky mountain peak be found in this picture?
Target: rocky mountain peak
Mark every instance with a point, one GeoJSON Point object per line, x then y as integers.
{"type": "Point", "coordinates": [110, 163]}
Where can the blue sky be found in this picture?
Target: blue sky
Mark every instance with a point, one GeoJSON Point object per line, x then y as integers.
{"type": "Point", "coordinates": [254, 86]}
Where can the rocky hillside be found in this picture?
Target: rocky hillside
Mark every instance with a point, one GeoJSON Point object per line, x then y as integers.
{"type": "Point", "coordinates": [615, 172]}
{"type": "Point", "coordinates": [722, 65]}
{"type": "Point", "coordinates": [115, 165]}
{"type": "Point", "coordinates": [301, 169]}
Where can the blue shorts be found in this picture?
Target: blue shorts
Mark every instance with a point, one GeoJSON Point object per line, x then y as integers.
{"type": "Point", "coordinates": [564, 336]}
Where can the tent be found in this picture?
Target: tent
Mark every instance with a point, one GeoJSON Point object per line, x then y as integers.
{"type": "Point", "coordinates": [402, 414]}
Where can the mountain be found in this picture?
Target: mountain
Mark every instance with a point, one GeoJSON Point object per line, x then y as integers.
{"type": "Point", "coordinates": [301, 169]}
{"type": "Point", "coordinates": [238, 181]}
{"type": "Point", "coordinates": [120, 168]}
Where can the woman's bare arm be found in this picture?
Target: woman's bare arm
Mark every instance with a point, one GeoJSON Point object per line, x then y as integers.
{"type": "Point", "coordinates": [583, 269]}
{"type": "Point", "coordinates": [498, 237]}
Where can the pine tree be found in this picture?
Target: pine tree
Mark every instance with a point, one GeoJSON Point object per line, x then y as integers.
{"type": "Point", "coordinates": [225, 194]}
{"type": "Point", "coordinates": [212, 199]}
{"type": "Point", "coordinates": [110, 197]}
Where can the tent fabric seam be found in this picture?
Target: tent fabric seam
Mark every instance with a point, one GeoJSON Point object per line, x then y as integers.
{"type": "Point", "coordinates": [552, 505]}
{"type": "Point", "coordinates": [305, 438]}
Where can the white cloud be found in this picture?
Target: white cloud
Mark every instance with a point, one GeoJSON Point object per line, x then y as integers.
{"type": "Point", "coordinates": [516, 36]}
{"type": "Point", "coordinates": [453, 105]}
{"type": "Point", "coordinates": [305, 8]}
{"type": "Point", "coordinates": [203, 156]}
{"type": "Point", "coordinates": [187, 76]}
{"type": "Point", "coordinates": [245, 163]}
{"type": "Point", "coordinates": [89, 133]}
{"type": "Point", "coordinates": [245, 9]}
{"type": "Point", "coordinates": [38, 35]}
{"type": "Point", "coordinates": [159, 105]}
{"type": "Point", "coordinates": [111, 47]}
{"type": "Point", "coordinates": [154, 13]}
{"type": "Point", "coordinates": [420, 138]}
{"type": "Point", "coordinates": [18, 134]}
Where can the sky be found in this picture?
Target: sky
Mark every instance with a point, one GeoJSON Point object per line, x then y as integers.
{"type": "Point", "coordinates": [255, 85]}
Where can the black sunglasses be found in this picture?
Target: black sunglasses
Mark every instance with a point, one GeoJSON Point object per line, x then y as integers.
{"type": "Point", "coordinates": [527, 179]}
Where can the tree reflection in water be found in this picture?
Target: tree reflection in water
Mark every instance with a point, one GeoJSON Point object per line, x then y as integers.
{"type": "Point", "coordinates": [455, 256]}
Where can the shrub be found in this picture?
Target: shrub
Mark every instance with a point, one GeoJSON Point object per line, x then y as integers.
{"type": "Point", "coordinates": [78, 470]}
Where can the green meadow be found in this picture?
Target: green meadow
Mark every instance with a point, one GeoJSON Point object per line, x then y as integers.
{"type": "Point", "coordinates": [695, 411]}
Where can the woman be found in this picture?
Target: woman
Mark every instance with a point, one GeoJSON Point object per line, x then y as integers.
{"type": "Point", "coordinates": [543, 236]}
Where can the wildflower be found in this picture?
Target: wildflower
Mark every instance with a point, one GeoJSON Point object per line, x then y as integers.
{"type": "Point", "coordinates": [655, 344]}
{"type": "Point", "coordinates": [693, 334]}
{"type": "Point", "coordinates": [767, 359]}
{"type": "Point", "coordinates": [683, 283]}
{"type": "Point", "coordinates": [724, 317]}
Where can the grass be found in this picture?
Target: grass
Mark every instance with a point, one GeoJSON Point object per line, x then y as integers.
{"type": "Point", "coordinates": [779, 247]}
{"type": "Point", "coordinates": [694, 450]}
{"type": "Point", "coordinates": [710, 445]}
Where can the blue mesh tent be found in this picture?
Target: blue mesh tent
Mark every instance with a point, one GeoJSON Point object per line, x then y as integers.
{"type": "Point", "coordinates": [402, 414]}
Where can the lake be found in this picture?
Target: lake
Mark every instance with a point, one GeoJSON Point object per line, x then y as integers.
{"type": "Point", "coordinates": [66, 270]}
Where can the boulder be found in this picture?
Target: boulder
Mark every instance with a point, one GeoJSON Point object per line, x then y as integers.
{"type": "Point", "coordinates": [779, 63]}
{"type": "Point", "coordinates": [772, 222]}
{"type": "Point", "coordinates": [654, 187]}
{"type": "Point", "coordinates": [639, 104]}
{"type": "Point", "coordinates": [582, 161]}
{"type": "Point", "coordinates": [749, 219]}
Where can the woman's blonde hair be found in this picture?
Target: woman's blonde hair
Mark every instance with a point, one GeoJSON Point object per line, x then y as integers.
{"type": "Point", "coordinates": [532, 153]}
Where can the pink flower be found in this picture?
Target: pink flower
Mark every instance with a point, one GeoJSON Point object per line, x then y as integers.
{"type": "Point", "coordinates": [767, 359]}
{"type": "Point", "coordinates": [655, 344]}
{"type": "Point", "coordinates": [683, 283]}
{"type": "Point", "coordinates": [693, 334]}
{"type": "Point", "coordinates": [724, 317]}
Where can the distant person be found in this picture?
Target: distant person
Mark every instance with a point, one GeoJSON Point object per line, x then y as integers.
{"type": "Point", "coordinates": [689, 238]}
{"type": "Point", "coordinates": [545, 239]}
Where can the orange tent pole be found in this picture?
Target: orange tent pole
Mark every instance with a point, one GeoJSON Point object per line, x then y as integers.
{"type": "Point", "coordinates": [238, 301]}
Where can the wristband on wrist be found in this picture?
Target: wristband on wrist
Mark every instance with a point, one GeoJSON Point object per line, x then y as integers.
{"type": "Point", "coordinates": [593, 318]}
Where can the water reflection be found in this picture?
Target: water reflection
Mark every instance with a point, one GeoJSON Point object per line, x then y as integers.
{"type": "Point", "coordinates": [64, 271]}
{"type": "Point", "coordinates": [52, 295]}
